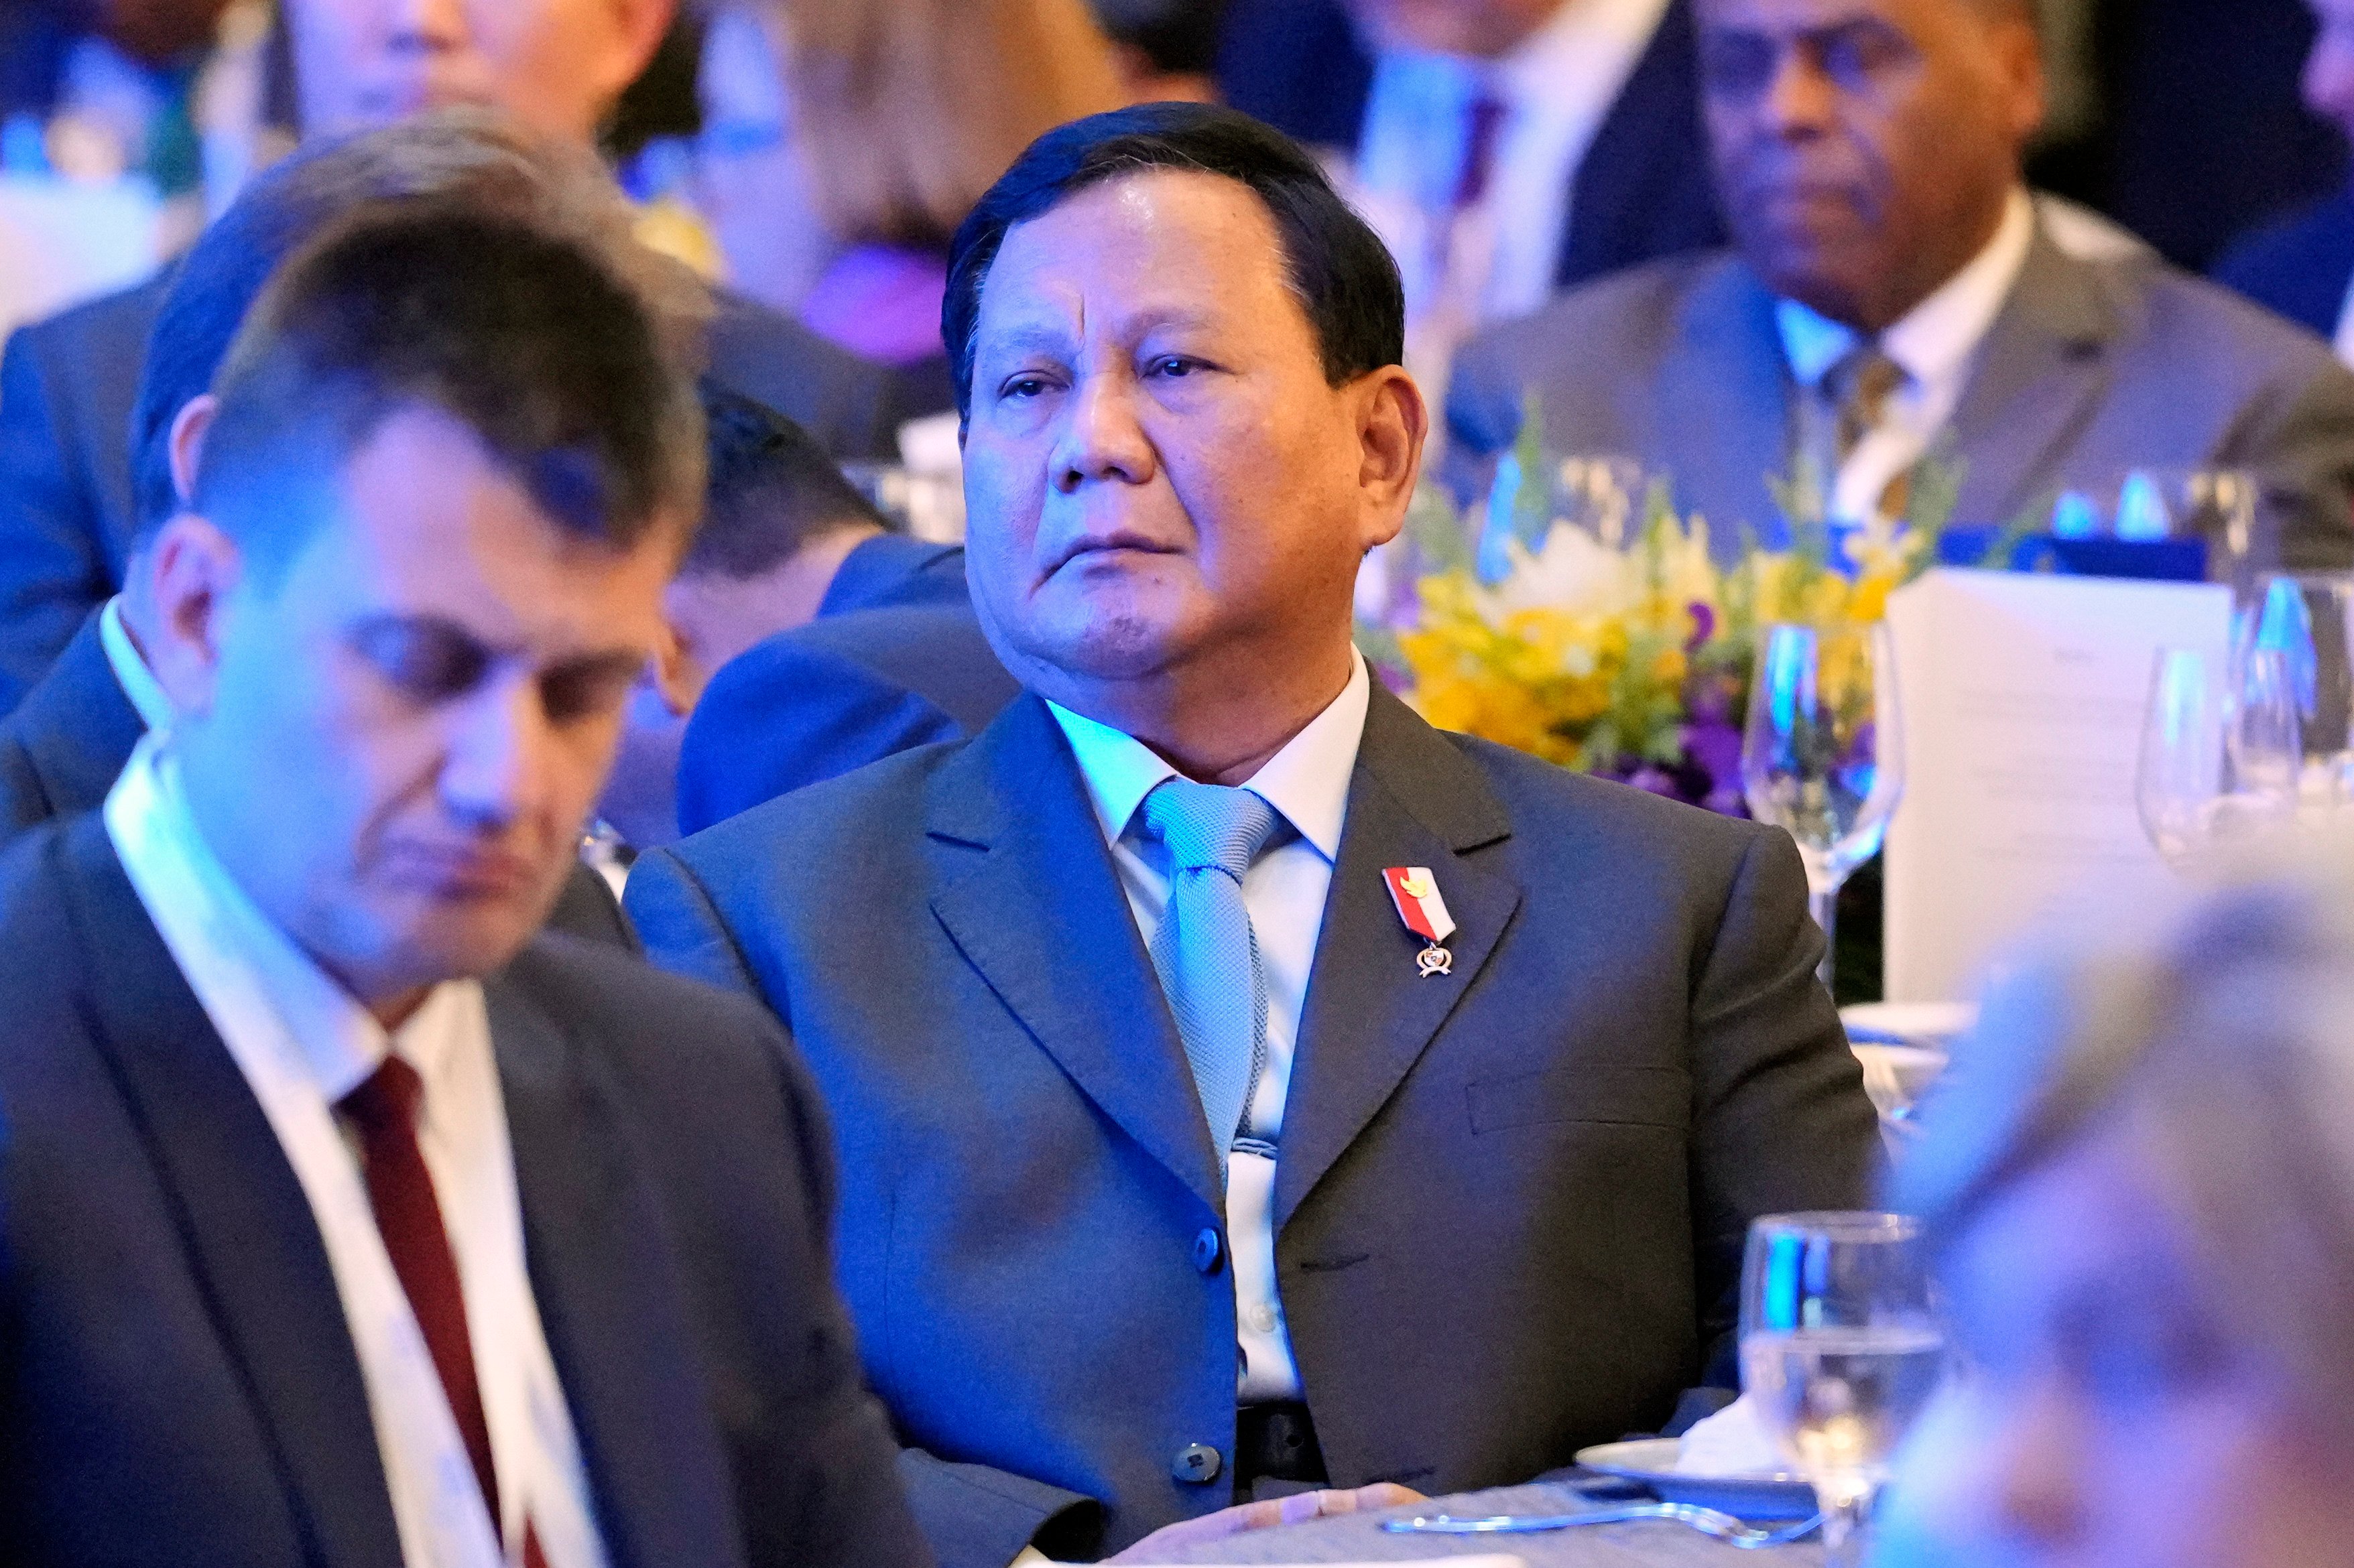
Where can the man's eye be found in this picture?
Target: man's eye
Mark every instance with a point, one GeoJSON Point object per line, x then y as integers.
{"type": "Point", "coordinates": [426, 663]}
{"type": "Point", "coordinates": [570, 695]}
{"type": "Point", "coordinates": [1174, 364]}
{"type": "Point", "coordinates": [1024, 387]}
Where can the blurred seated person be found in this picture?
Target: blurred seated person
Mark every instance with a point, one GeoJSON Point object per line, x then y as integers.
{"type": "Point", "coordinates": [877, 124]}
{"type": "Point", "coordinates": [63, 747]}
{"type": "Point", "coordinates": [1167, 50]}
{"type": "Point", "coordinates": [787, 540]}
{"type": "Point", "coordinates": [2303, 266]}
{"type": "Point", "coordinates": [1501, 148]}
{"type": "Point", "coordinates": [67, 383]}
{"type": "Point", "coordinates": [1896, 294]}
{"type": "Point", "coordinates": [2139, 1181]}
{"type": "Point", "coordinates": [425, 1239]}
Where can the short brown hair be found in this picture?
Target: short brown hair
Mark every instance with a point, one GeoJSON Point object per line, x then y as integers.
{"type": "Point", "coordinates": [525, 335]}
{"type": "Point", "coordinates": [908, 110]}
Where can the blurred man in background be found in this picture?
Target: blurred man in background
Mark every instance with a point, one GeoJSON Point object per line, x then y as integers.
{"type": "Point", "coordinates": [1501, 148]}
{"type": "Point", "coordinates": [1897, 295]}
{"type": "Point", "coordinates": [2303, 266]}
{"type": "Point", "coordinates": [892, 658]}
{"type": "Point", "coordinates": [67, 385]}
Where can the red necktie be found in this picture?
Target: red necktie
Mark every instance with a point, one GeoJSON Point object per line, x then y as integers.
{"type": "Point", "coordinates": [383, 1111]}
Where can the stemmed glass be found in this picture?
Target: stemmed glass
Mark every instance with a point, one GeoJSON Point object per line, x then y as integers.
{"type": "Point", "coordinates": [1840, 1349]}
{"type": "Point", "coordinates": [2220, 753]}
{"type": "Point", "coordinates": [2309, 620]}
{"type": "Point", "coordinates": [1823, 755]}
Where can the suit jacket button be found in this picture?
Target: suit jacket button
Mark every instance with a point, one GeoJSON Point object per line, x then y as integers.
{"type": "Point", "coordinates": [1208, 1250]}
{"type": "Point", "coordinates": [1198, 1465]}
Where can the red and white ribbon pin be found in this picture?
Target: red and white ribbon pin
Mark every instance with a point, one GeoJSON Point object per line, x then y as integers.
{"type": "Point", "coordinates": [1416, 893]}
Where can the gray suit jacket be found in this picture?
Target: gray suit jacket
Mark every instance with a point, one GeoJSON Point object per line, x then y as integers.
{"type": "Point", "coordinates": [68, 386]}
{"type": "Point", "coordinates": [2092, 367]}
{"type": "Point", "coordinates": [1511, 1201]}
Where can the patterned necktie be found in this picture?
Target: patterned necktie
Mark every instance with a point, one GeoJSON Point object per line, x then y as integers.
{"type": "Point", "coordinates": [1205, 951]}
{"type": "Point", "coordinates": [382, 1111]}
{"type": "Point", "coordinates": [1858, 389]}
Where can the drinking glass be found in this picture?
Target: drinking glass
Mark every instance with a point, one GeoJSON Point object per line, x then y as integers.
{"type": "Point", "coordinates": [2309, 620]}
{"type": "Point", "coordinates": [2223, 506]}
{"type": "Point", "coordinates": [2220, 750]}
{"type": "Point", "coordinates": [1601, 494]}
{"type": "Point", "coordinates": [1823, 755]}
{"type": "Point", "coordinates": [1840, 1349]}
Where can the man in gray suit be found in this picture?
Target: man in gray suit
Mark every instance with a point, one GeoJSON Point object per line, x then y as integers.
{"type": "Point", "coordinates": [1245, 1086]}
{"type": "Point", "coordinates": [1894, 295]}
{"type": "Point", "coordinates": [66, 511]}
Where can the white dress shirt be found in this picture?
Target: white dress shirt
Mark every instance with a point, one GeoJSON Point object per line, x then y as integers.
{"type": "Point", "coordinates": [1497, 258]}
{"type": "Point", "coordinates": [1936, 346]}
{"type": "Point", "coordinates": [130, 671]}
{"type": "Point", "coordinates": [1307, 782]}
{"type": "Point", "coordinates": [303, 1043]}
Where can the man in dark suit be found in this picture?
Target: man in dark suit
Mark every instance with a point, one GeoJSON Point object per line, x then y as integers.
{"type": "Point", "coordinates": [788, 544]}
{"type": "Point", "coordinates": [1593, 113]}
{"type": "Point", "coordinates": [67, 514]}
{"type": "Point", "coordinates": [1896, 296]}
{"type": "Point", "coordinates": [2303, 265]}
{"type": "Point", "coordinates": [422, 1243]}
{"type": "Point", "coordinates": [1250, 1087]}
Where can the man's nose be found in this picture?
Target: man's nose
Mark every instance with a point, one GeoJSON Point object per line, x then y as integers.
{"type": "Point", "coordinates": [496, 770]}
{"type": "Point", "coordinates": [1102, 439]}
{"type": "Point", "coordinates": [1801, 101]}
{"type": "Point", "coordinates": [2031, 1471]}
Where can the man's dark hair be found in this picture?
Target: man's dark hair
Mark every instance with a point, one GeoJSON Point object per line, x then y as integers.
{"type": "Point", "coordinates": [1337, 265]}
{"type": "Point", "coordinates": [772, 490]}
{"type": "Point", "coordinates": [525, 337]}
{"type": "Point", "coordinates": [456, 154]}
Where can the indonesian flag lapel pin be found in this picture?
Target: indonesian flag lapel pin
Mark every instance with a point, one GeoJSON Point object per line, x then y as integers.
{"type": "Point", "coordinates": [1416, 893]}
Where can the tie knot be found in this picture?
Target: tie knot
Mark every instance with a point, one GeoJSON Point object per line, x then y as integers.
{"type": "Point", "coordinates": [1208, 826]}
{"type": "Point", "coordinates": [386, 1099]}
{"type": "Point", "coordinates": [1862, 381]}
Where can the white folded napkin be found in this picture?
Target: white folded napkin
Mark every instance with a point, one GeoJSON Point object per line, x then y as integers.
{"type": "Point", "coordinates": [1732, 1442]}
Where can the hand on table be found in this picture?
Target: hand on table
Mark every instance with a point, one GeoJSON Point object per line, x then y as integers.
{"type": "Point", "coordinates": [1295, 1509]}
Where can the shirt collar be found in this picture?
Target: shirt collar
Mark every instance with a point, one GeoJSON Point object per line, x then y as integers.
{"type": "Point", "coordinates": [1306, 781]}
{"type": "Point", "coordinates": [131, 671]}
{"type": "Point", "coordinates": [341, 1042]}
{"type": "Point", "coordinates": [1937, 338]}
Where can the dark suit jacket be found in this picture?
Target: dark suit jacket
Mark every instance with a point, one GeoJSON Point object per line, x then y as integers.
{"type": "Point", "coordinates": [177, 1386]}
{"type": "Point", "coordinates": [1643, 190]}
{"type": "Point", "coordinates": [68, 387]}
{"type": "Point", "coordinates": [65, 746]}
{"type": "Point", "coordinates": [2299, 267]}
{"type": "Point", "coordinates": [1510, 1201]}
{"type": "Point", "coordinates": [896, 659]}
{"type": "Point", "coordinates": [2092, 368]}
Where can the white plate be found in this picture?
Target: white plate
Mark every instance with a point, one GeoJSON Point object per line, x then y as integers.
{"type": "Point", "coordinates": [1935, 1024]}
{"type": "Point", "coordinates": [1652, 1462]}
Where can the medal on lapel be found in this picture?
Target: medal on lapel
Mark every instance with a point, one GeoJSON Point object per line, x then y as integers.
{"type": "Point", "coordinates": [1416, 893]}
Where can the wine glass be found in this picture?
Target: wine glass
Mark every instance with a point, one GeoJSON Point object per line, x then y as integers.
{"type": "Point", "coordinates": [1840, 1349]}
{"type": "Point", "coordinates": [1823, 755]}
{"type": "Point", "coordinates": [2221, 755]}
{"type": "Point", "coordinates": [2309, 620]}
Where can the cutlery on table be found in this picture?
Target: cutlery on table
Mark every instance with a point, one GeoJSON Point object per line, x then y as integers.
{"type": "Point", "coordinates": [1707, 1520]}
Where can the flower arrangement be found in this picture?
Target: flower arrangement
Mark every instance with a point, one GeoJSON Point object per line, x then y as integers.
{"type": "Point", "coordinates": [1617, 644]}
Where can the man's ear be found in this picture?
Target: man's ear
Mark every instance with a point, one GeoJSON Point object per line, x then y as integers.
{"type": "Point", "coordinates": [638, 28]}
{"type": "Point", "coordinates": [1392, 424]}
{"type": "Point", "coordinates": [185, 443]}
{"type": "Point", "coordinates": [194, 568]}
{"type": "Point", "coordinates": [679, 675]}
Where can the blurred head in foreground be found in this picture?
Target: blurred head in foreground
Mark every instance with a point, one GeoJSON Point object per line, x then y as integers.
{"type": "Point", "coordinates": [778, 519]}
{"type": "Point", "coordinates": [2141, 1184]}
{"type": "Point", "coordinates": [452, 465]}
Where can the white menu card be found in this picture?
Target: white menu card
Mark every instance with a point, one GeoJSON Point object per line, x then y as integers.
{"type": "Point", "coordinates": [2022, 705]}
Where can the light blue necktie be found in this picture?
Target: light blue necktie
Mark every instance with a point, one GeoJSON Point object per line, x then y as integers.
{"type": "Point", "coordinates": [1205, 951]}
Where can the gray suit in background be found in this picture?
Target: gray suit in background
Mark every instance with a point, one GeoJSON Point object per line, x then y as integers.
{"type": "Point", "coordinates": [1509, 1203]}
{"type": "Point", "coordinates": [68, 386]}
{"type": "Point", "coordinates": [2092, 367]}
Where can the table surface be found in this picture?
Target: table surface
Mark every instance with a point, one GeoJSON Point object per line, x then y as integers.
{"type": "Point", "coordinates": [1359, 1537]}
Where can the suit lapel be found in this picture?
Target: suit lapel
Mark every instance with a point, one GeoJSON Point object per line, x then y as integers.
{"type": "Point", "coordinates": [2040, 376]}
{"type": "Point", "coordinates": [1726, 397]}
{"type": "Point", "coordinates": [1371, 1012]}
{"type": "Point", "coordinates": [1651, 127]}
{"type": "Point", "coordinates": [251, 1237]}
{"type": "Point", "coordinates": [610, 1300]}
{"type": "Point", "coordinates": [1041, 914]}
{"type": "Point", "coordinates": [77, 726]}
